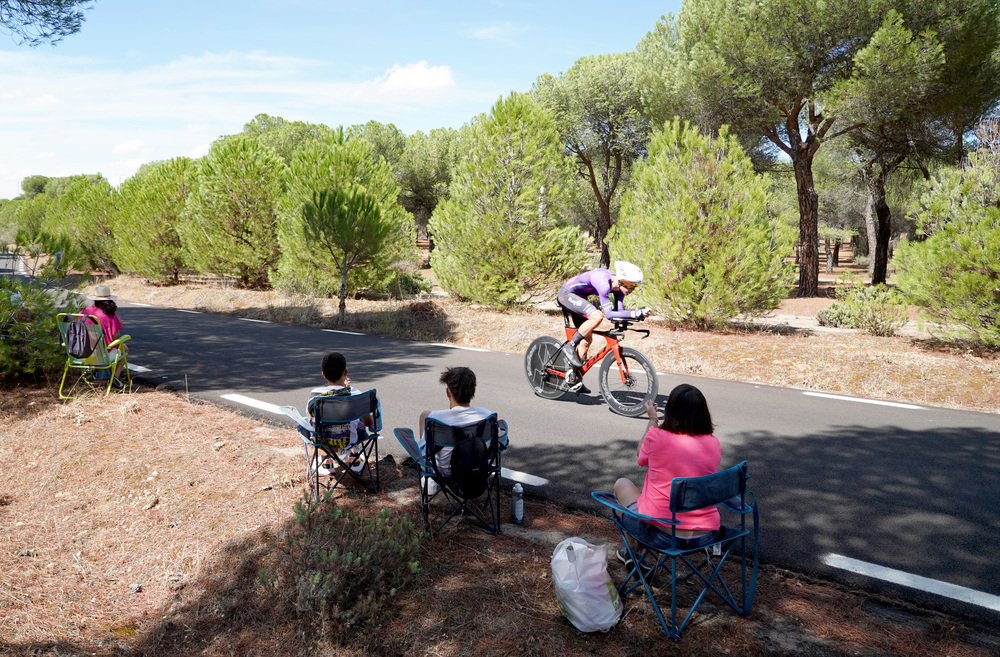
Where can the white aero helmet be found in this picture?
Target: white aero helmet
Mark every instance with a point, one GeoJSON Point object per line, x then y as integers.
{"type": "Point", "coordinates": [626, 271]}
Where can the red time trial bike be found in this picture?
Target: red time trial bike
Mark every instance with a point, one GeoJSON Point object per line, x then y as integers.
{"type": "Point", "coordinates": [627, 378]}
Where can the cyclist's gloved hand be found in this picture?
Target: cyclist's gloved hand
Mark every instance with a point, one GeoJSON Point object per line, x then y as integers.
{"type": "Point", "coordinates": [640, 313]}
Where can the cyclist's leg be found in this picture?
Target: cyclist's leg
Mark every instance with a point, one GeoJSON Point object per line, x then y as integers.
{"type": "Point", "coordinates": [586, 317]}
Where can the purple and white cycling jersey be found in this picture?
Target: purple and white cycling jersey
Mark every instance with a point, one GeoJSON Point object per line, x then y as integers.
{"type": "Point", "coordinates": [593, 282]}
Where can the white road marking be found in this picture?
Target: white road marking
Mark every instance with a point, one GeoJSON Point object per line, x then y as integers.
{"type": "Point", "coordinates": [928, 585]}
{"type": "Point", "coordinates": [507, 473]}
{"type": "Point", "coordinates": [344, 332]}
{"type": "Point", "coordinates": [864, 401]}
{"type": "Point", "coordinates": [255, 403]}
{"type": "Point", "coordinates": [247, 319]}
{"type": "Point", "coordinates": [182, 310]}
{"type": "Point", "coordinates": [137, 368]}
{"type": "Point", "coordinates": [523, 477]}
{"type": "Point", "coordinates": [455, 346]}
{"type": "Point", "coordinates": [136, 303]}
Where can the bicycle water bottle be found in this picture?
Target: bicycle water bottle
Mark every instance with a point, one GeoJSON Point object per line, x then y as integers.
{"type": "Point", "coordinates": [517, 504]}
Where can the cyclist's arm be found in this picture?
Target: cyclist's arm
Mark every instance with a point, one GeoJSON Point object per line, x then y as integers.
{"type": "Point", "coordinates": [613, 309]}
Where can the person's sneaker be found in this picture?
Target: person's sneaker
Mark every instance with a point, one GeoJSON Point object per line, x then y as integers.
{"type": "Point", "coordinates": [118, 383]}
{"type": "Point", "coordinates": [325, 468]}
{"type": "Point", "coordinates": [357, 462]}
{"type": "Point", "coordinates": [623, 556]}
{"type": "Point", "coordinates": [569, 353]}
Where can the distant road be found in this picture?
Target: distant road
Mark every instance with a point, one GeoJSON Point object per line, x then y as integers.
{"type": "Point", "coordinates": [851, 489]}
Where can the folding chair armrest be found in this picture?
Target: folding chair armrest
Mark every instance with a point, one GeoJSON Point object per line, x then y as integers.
{"type": "Point", "coordinates": [502, 439]}
{"type": "Point", "coordinates": [294, 413]}
{"type": "Point", "coordinates": [736, 505]}
{"type": "Point", "coordinates": [608, 499]}
{"type": "Point", "coordinates": [409, 442]}
{"type": "Point", "coordinates": [122, 339]}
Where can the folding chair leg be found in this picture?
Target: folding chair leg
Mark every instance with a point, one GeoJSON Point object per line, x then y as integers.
{"type": "Point", "coordinates": [63, 383]}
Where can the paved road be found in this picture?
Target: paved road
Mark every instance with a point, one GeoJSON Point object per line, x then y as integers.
{"type": "Point", "coordinates": [908, 488]}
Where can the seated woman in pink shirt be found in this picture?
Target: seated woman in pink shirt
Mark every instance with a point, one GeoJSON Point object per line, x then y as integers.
{"type": "Point", "coordinates": [104, 308]}
{"type": "Point", "coordinates": [681, 446]}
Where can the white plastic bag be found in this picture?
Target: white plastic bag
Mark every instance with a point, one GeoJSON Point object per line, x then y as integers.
{"type": "Point", "coordinates": [586, 594]}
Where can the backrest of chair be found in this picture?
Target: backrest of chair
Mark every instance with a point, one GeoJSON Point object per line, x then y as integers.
{"type": "Point", "coordinates": [342, 409]}
{"type": "Point", "coordinates": [692, 493]}
{"type": "Point", "coordinates": [94, 332]}
{"type": "Point", "coordinates": [437, 434]}
{"type": "Point", "coordinates": [474, 447]}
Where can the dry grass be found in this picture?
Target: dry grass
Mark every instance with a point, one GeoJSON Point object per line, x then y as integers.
{"type": "Point", "coordinates": [137, 525]}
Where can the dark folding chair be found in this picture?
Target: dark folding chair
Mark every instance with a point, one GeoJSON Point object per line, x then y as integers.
{"type": "Point", "coordinates": [327, 437]}
{"type": "Point", "coordinates": [471, 491]}
{"type": "Point", "coordinates": [702, 556]}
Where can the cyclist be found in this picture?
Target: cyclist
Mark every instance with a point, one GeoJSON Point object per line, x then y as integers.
{"type": "Point", "coordinates": [611, 288]}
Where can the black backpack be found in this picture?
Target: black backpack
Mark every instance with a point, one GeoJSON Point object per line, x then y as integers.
{"type": "Point", "coordinates": [469, 466]}
{"type": "Point", "coordinates": [78, 340]}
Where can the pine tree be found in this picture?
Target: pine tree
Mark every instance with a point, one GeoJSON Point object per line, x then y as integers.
{"type": "Point", "coordinates": [696, 222]}
{"type": "Point", "coordinates": [501, 237]}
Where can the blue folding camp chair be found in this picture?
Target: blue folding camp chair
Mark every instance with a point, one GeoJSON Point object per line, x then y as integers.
{"type": "Point", "coordinates": [326, 439]}
{"type": "Point", "coordinates": [470, 489]}
{"type": "Point", "coordinates": [93, 366]}
{"type": "Point", "coordinates": [726, 489]}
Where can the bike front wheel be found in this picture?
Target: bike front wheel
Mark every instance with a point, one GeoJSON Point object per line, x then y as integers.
{"type": "Point", "coordinates": [626, 385]}
{"type": "Point", "coordinates": [542, 355]}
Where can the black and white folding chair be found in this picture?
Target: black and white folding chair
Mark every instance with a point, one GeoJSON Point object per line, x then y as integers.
{"type": "Point", "coordinates": [326, 440]}
{"type": "Point", "coordinates": [462, 465]}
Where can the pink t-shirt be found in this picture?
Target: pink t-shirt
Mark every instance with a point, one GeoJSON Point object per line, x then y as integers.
{"type": "Point", "coordinates": [670, 455]}
{"type": "Point", "coordinates": [109, 325]}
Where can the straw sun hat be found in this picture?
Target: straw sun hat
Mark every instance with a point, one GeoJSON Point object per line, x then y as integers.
{"type": "Point", "coordinates": [102, 293]}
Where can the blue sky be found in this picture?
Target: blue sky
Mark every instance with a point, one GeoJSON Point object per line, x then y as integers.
{"type": "Point", "coordinates": [148, 80]}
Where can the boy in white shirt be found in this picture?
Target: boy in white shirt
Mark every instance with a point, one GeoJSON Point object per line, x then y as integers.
{"type": "Point", "coordinates": [460, 388]}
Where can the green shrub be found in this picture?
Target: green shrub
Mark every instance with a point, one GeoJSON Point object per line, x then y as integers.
{"type": "Point", "coordinates": [339, 568]}
{"type": "Point", "coordinates": [29, 340]}
{"type": "Point", "coordinates": [503, 236]}
{"type": "Point", "coordinates": [696, 220]}
{"type": "Point", "coordinates": [877, 309]}
{"type": "Point", "coordinates": [408, 282]}
{"type": "Point", "coordinates": [954, 273]}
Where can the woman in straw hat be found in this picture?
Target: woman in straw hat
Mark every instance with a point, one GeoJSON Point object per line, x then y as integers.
{"type": "Point", "coordinates": [105, 310]}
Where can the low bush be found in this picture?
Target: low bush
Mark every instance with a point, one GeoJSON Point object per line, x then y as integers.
{"type": "Point", "coordinates": [878, 310]}
{"type": "Point", "coordinates": [29, 340]}
{"type": "Point", "coordinates": [339, 569]}
{"type": "Point", "coordinates": [408, 282]}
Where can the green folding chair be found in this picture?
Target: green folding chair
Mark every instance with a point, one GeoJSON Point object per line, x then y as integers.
{"type": "Point", "coordinates": [89, 356]}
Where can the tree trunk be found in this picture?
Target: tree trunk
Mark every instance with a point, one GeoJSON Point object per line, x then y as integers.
{"type": "Point", "coordinates": [829, 256]}
{"type": "Point", "coordinates": [808, 223]}
{"type": "Point", "coordinates": [836, 253]}
{"type": "Point", "coordinates": [883, 226]}
{"type": "Point", "coordinates": [342, 310]}
{"type": "Point", "coordinates": [869, 224]}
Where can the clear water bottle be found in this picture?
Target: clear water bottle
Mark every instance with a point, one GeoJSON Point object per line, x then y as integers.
{"type": "Point", "coordinates": [517, 504]}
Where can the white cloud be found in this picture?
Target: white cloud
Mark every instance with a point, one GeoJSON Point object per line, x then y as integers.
{"type": "Point", "coordinates": [131, 146]}
{"type": "Point", "coordinates": [418, 82]}
{"type": "Point", "coordinates": [201, 150]}
{"type": "Point", "coordinates": [85, 116]}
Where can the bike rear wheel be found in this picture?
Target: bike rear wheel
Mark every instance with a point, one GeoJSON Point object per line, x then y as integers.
{"type": "Point", "coordinates": [627, 386]}
{"type": "Point", "coordinates": [537, 359]}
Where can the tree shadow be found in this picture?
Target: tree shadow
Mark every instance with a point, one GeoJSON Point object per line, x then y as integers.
{"type": "Point", "coordinates": [920, 502]}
